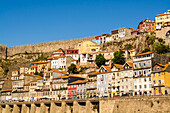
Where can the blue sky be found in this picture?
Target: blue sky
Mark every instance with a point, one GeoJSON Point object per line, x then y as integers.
{"type": "Point", "coordinates": [34, 21]}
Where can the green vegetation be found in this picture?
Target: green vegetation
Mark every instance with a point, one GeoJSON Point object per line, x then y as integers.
{"type": "Point", "coordinates": [146, 50]}
{"type": "Point", "coordinates": [128, 47]}
{"type": "Point", "coordinates": [42, 57]}
{"type": "Point", "coordinates": [150, 40]}
{"type": "Point", "coordinates": [40, 74]}
{"type": "Point", "coordinates": [73, 69]}
{"type": "Point", "coordinates": [100, 60]}
{"type": "Point", "coordinates": [118, 58]}
{"type": "Point", "coordinates": [160, 47]}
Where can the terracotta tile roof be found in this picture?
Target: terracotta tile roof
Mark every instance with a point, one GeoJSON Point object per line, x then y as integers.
{"type": "Point", "coordinates": [49, 58]}
{"type": "Point", "coordinates": [27, 84]}
{"type": "Point", "coordinates": [62, 76]}
{"type": "Point", "coordinates": [15, 71]}
{"type": "Point", "coordinates": [120, 67]}
{"type": "Point", "coordinates": [108, 68]}
{"type": "Point", "coordinates": [32, 75]}
{"type": "Point", "coordinates": [15, 75]}
{"type": "Point", "coordinates": [160, 15]}
{"type": "Point", "coordinates": [40, 62]}
{"type": "Point", "coordinates": [33, 67]}
{"type": "Point", "coordinates": [55, 58]}
{"type": "Point", "coordinates": [143, 54]}
{"type": "Point", "coordinates": [87, 65]}
{"type": "Point", "coordinates": [6, 90]}
{"type": "Point", "coordinates": [130, 64]}
{"type": "Point", "coordinates": [79, 82]}
{"type": "Point", "coordinates": [57, 71]}
{"type": "Point", "coordinates": [164, 66]}
{"type": "Point", "coordinates": [76, 76]}
{"type": "Point", "coordinates": [33, 81]}
{"type": "Point", "coordinates": [93, 73]}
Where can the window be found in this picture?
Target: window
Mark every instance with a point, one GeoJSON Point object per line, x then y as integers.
{"type": "Point", "coordinates": [159, 74]}
{"type": "Point", "coordinates": [135, 86]}
{"type": "Point", "coordinates": [122, 87]}
{"type": "Point", "coordinates": [145, 86]}
{"type": "Point", "coordinates": [140, 86]}
{"type": "Point", "coordinates": [150, 85]}
{"type": "Point", "coordinates": [145, 79]}
{"type": "Point", "coordinates": [149, 79]}
{"type": "Point", "coordinates": [144, 72]}
{"type": "Point", "coordinates": [135, 73]}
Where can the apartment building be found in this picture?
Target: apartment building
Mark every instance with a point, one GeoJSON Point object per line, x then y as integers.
{"type": "Point", "coordinates": [60, 87]}
{"type": "Point", "coordinates": [87, 47]}
{"type": "Point", "coordinates": [78, 89]}
{"type": "Point", "coordinates": [116, 78]}
{"type": "Point", "coordinates": [91, 85]}
{"type": "Point", "coordinates": [74, 53]}
{"type": "Point", "coordinates": [19, 82]}
{"type": "Point", "coordinates": [161, 79]}
{"type": "Point", "coordinates": [61, 62]}
{"type": "Point", "coordinates": [146, 26]}
{"type": "Point", "coordinates": [142, 65]}
{"type": "Point", "coordinates": [162, 20]}
{"type": "Point", "coordinates": [73, 84]}
{"type": "Point", "coordinates": [102, 81]}
{"type": "Point", "coordinates": [126, 79]}
{"type": "Point", "coordinates": [97, 39]}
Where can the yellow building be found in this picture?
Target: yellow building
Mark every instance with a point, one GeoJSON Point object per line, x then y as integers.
{"type": "Point", "coordinates": [162, 20]}
{"type": "Point", "coordinates": [161, 79]}
{"type": "Point", "coordinates": [87, 47]}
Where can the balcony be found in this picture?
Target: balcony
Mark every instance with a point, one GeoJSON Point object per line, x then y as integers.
{"type": "Point", "coordinates": [140, 59]}
{"type": "Point", "coordinates": [38, 89]}
{"type": "Point", "coordinates": [142, 67]}
{"type": "Point", "coordinates": [46, 89]}
{"type": "Point", "coordinates": [157, 85]}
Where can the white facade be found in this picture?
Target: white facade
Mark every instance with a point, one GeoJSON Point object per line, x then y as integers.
{"type": "Point", "coordinates": [121, 33]}
{"type": "Point", "coordinates": [58, 63]}
{"type": "Point", "coordinates": [74, 56]}
{"type": "Point", "coordinates": [102, 84]}
{"type": "Point", "coordinates": [143, 86]}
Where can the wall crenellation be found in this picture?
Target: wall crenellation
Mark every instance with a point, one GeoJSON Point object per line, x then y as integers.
{"type": "Point", "coordinates": [45, 46]}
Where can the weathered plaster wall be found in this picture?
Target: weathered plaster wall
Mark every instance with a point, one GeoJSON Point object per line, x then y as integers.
{"type": "Point", "coordinates": [144, 104]}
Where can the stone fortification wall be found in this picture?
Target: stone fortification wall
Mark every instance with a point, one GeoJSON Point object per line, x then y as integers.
{"type": "Point", "coordinates": [45, 47]}
{"type": "Point", "coordinates": [144, 104]}
{"type": "Point", "coordinates": [3, 51]}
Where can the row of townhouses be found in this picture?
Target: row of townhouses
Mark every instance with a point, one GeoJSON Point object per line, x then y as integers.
{"type": "Point", "coordinates": [147, 74]}
{"type": "Point", "coordinates": [161, 26]}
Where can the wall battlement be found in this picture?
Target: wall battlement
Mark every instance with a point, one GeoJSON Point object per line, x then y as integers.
{"type": "Point", "coordinates": [3, 51]}
{"type": "Point", "coordinates": [141, 104]}
{"type": "Point", "coordinates": [45, 47]}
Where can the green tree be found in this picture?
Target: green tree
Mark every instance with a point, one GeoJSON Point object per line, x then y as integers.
{"type": "Point", "coordinates": [118, 58]}
{"type": "Point", "coordinates": [150, 40]}
{"type": "Point", "coordinates": [100, 60]}
{"type": "Point", "coordinates": [36, 73]}
{"type": "Point", "coordinates": [72, 69]}
{"type": "Point", "coordinates": [160, 48]}
{"type": "Point", "coordinates": [128, 47]}
{"type": "Point", "coordinates": [146, 50]}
